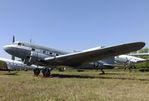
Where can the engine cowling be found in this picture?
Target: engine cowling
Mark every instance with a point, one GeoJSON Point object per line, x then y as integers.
{"type": "Point", "coordinates": [35, 58]}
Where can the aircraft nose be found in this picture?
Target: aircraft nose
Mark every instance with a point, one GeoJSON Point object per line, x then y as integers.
{"type": "Point", "coordinates": [8, 48]}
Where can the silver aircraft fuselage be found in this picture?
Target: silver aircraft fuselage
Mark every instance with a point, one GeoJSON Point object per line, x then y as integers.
{"type": "Point", "coordinates": [23, 50]}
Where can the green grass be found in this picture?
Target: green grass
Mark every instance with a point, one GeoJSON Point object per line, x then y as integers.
{"type": "Point", "coordinates": [75, 86]}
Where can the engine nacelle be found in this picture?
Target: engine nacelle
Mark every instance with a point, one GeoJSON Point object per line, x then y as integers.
{"type": "Point", "coordinates": [35, 58]}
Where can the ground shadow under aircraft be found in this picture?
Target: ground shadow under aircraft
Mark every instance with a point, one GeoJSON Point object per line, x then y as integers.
{"type": "Point", "coordinates": [95, 77]}
{"type": "Point", "coordinates": [101, 76]}
{"type": "Point", "coordinates": [15, 73]}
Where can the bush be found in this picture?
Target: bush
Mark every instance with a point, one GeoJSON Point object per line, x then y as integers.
{"type": "Point", "coordinates": [144, 70]}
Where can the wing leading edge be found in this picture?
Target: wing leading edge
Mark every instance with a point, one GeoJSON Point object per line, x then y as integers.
{"type": "Point", "coordinates": [90, 55]}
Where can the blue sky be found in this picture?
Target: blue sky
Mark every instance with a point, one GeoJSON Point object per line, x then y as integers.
{"type": "Point", "coordinates": [74, 24]}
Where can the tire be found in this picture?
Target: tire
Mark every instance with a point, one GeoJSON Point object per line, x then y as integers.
{"type": "Point", "coordinates": [46, 72]}
{"type": "Point", "coordinates": [36, 71]}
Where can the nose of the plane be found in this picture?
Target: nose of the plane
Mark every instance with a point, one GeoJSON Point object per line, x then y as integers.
{"type": "Point", "coordinates": [8, 48]}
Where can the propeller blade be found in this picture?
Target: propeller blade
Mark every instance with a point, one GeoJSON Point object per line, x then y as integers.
{"type": "Point", "coordinates": [13, 40]}
{"type": "Point", "coordinates": [13, 57]}
{"type": "Point", "coordinates": [30, 41]}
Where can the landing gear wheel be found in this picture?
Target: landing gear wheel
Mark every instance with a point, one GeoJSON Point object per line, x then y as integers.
{"type": "Point", "coordinates": [102, 71]}
{"type": "Point", "coordinates": [46, 72]}
{"type": "Point", "coordinates": [36, 71]}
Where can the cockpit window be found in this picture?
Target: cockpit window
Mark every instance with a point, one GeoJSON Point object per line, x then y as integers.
{"type": "Point", "coordinates": [19, 44]}
{"type": "Point", "coordinates": [33, 49]}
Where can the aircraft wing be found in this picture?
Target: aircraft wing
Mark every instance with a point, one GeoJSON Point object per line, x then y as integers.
{"type": "Point", "coordinates": [140, 61]}
{"type": "Point", "coordinates": [94, 54]}
{"type": "Point", "coordinates": [140, 54]}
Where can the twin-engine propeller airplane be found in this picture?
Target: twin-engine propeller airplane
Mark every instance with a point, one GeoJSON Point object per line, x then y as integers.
{"type": "Point", "coordinates": [49, 57]}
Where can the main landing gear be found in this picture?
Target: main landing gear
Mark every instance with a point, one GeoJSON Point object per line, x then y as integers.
{"type": "Point", "coordinates": [101, 69]}
{"type": "Point", "coordinates": [45, 71]}
{"type": "Point", "coordinates": [36, 71]}
{"type": "Point", "coordinates": [100, 66]}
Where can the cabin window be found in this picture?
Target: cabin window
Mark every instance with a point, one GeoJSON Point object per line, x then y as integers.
{"type": "Point", "coordinates": [33, 49]}
{"type": "Point", "coordinates": [44, 52]}
{"type": "Point", "coordinates": [57, 54]}
{"type": "Point", "coordinates": [47, 52]}
{"type": "Point", "coordinates": [19, 44]}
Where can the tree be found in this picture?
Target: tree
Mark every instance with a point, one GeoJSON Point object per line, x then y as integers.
{"type": "Point", "coordinates": [144, 50]}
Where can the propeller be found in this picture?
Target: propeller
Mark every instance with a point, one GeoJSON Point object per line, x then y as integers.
{"type": "Point", "coordinates": [30, 41]}
{"type": "Point", "coordinates": [13, 41]}
{"type": "Point", "coordinates": [128, 61]}
{"type": "Point", "coordinates": [129, 64]}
